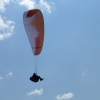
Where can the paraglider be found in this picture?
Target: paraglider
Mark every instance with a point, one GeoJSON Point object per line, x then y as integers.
{"type": "Point", "coordinates": [34, 25]}
{"type": "Point", "coordinates": [35, 78]}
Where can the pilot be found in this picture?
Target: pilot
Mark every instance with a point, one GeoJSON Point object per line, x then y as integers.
{"type": "Point", "coordinates": [35, 78]}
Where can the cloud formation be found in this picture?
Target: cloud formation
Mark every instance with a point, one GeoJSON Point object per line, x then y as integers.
{"type": "Point", "coordinates": [6, 28]}
{"type": "Point", "coordinates": [84, 73]}
{"type": "Point", "coordinates": [10, 74]}
{"type": "Point", "coordinates": [29, 4]}
{"type": "Point", "coordinates": [42, 4]}
{"type": "Point", "coordinates": [35, 92]}
{"type": "Point", "coordinates": [1, 78]}
{"type": "Point", "coordinates": [2, 5]}
{"type": "Point", "coordinates": [65, 96]}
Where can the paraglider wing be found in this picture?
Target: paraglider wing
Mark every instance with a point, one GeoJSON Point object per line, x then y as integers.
{"type": "Point", "coordinates": [34, 25]}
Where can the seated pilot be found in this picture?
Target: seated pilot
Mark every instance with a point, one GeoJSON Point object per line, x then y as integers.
{"type": "Point", "coordinates": [35, 78]}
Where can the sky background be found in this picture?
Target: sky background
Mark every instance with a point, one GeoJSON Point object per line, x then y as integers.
{"type": "Point", "coordinates": [70, 58]}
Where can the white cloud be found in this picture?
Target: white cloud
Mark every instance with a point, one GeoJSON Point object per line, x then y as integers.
{"type": "Point", "coordinates": [35, 92]}
{"type": "Point", "coordinates": [84, 73]}
{"type": "Point", "coordinates": [45, 5]}
{"type": "Point", "coordinates": [65, 96]}
{"type": "Point", "coordinates": [1, 78]}
{"type": "Point", "coordinates": [6, 28]}
{"type": "Point", "coordinates": [30, 4]}
{"type": "Point", "coordinates": [42, 4]}
{"type": "Point", "coordinates": [9, 74]}
{"type": "Point", "coordinates": [2, 4]}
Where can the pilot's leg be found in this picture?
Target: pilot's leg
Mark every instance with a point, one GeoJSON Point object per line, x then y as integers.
{"type": "Point", "coordinates": [41, 79]}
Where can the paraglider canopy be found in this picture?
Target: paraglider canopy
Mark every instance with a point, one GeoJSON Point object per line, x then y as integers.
{"type": "Point", "coordinates": [34, 25]}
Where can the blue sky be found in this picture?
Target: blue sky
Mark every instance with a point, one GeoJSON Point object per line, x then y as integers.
{"type": "Point", "coordinates": [70, 58]}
